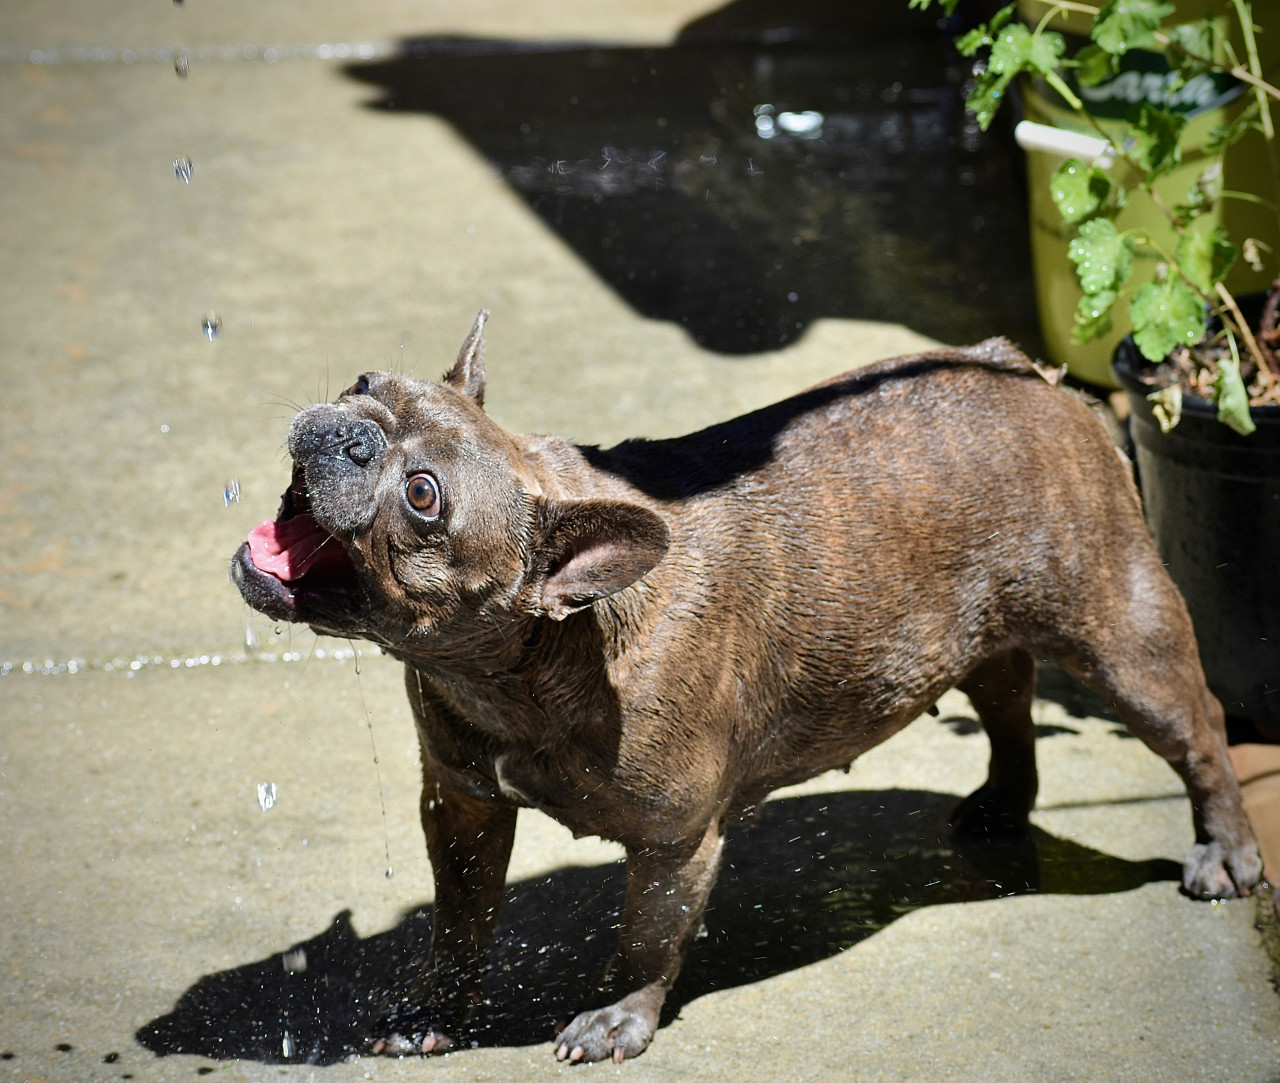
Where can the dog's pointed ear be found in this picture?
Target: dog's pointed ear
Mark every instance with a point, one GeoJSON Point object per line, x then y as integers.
{"type": "Point", "coordinates": [467, 374]}
{"type": "Point", "coordinates": [586, 550]}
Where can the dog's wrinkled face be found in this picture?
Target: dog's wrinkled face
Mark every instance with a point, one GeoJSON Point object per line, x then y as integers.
{"type": "Point", "coordinates": [415, 521]}
{"type": "Point", "coordinates": [406, 508]}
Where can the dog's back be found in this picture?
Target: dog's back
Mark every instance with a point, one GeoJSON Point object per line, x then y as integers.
{"type": "Point", "coordinates": [850, 553]}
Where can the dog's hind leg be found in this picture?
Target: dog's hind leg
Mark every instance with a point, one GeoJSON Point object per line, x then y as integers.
{"type": "Point", "coordinates": [1144, 659]}
{"type": "Point", "coordinates": [1001, 689]}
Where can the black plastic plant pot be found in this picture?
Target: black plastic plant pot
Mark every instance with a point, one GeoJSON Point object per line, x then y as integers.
{"type": "Point", "coordinates": [1212, 500]}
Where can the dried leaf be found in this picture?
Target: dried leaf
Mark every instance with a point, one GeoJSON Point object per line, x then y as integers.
{"type": "Point", "coordinates": [1166, 405]}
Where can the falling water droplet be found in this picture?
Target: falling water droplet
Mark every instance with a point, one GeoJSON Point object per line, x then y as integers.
{"type": "Point", "coordinates": [183, 168]}
{"type": "Point", "coordinates": [390, 872]}
{"type": "Point", "coordinates": [250, 636]}
{"type": "Point", "coordinates": [286, 1043]}
{"type": "Point", "coordinates": [231, 492]}
{"type": "Point", "coordinates": [266, 795]}
{"type": "Point", "coordinates": [212, 326]}
{"type": "Point", "coordinates": [182, 65]}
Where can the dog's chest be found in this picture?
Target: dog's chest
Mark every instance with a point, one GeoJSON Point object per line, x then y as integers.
{"type": "Point", "coordinates": [496, 747]}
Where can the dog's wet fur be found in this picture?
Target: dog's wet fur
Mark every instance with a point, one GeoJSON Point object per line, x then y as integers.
{"type": "Point", "coordinates": [644, 641]}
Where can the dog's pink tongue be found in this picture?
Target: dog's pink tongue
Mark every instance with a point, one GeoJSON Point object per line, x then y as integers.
{"type": "Point", "coordinates": [290, 549]}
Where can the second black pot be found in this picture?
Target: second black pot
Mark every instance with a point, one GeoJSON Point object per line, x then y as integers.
{"type": "Point", "coordinates": [1212, 500]}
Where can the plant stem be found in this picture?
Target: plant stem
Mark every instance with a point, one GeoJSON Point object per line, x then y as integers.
{"type": "Point", "coordinates": [1264, 360]}
{"type": "Point", "coordinates": [1245, 14]}
{"type": "Point", "coordinates": [1263, 88]}
{"type": "Point", "coordinates": [1247, 197]}
{"type": "Point", "coordinates": [1068, 95]}
{"type": "Point", "coordinates": [1070, 5]}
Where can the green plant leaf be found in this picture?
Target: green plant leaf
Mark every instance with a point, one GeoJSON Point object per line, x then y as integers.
{"type": "Point", "coordinates": [1201, 196]}
{"type": "Point", "coordinates": [1232, 398]}
{"type": "Point", "coordinates": [1155, 134]}
{"type": "Point", "coordinates": [1129, 24]}
{"type": "Point", "coordinates": [1003, 16]}
{"type": "Point", "coordinates": [1102, 255]}
{"type": "Point", "coordinates": [1205, 258]}
{"type": "Point", "coordinates": [969, 43]}
{"type": "Point", "coordinates": [985, 98]}
{"type": "Point", "coordinates": [1095, 65]}
{"type": "Point", "coordinates": [1081, 191]}
{"type": "Point", "coordinates": [1191, 41]}
{"type": "Point", "coordinates": [1015, 50]}
{"type": "Point", "coordinates": [948, 6]}
{"type": "Point", "coordinates": [1045, 50]}
{"type": "Point", "coordinates": [1165, 314]}
{"type": "Point", "coordinates": [1222, 136]}
{"type": "Point", "coordinates": [1093, 316]}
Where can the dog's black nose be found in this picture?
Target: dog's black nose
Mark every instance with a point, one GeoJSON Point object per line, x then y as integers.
{"type": "Point", "coordinates": [318, 432]}
{"type": "Point", "coordinates": [360, 442]}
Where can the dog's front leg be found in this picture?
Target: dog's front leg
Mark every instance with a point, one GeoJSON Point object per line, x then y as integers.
{"type": "Point", "coordinates": [469, 843]}
{"type": "Point", "coordinates": [667, 889]}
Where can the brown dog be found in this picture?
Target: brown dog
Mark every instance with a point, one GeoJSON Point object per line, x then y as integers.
{"type": "Point", "coordinates": [643, 642]}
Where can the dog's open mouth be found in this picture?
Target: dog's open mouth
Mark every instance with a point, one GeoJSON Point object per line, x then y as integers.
{"type": "Point", "coordinates": [292, 568]}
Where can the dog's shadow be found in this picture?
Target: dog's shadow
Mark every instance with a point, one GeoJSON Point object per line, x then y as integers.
{"type": "Point", "coordinates": [812, 876]}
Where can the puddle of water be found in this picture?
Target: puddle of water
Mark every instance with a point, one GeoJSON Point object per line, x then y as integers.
{"type": "Point", "coordinates": [744, 190]}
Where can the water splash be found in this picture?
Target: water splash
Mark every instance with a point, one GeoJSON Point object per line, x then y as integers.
{"type": "Point", "coordinates": [231, 492]}
{"type": "Point", "coordinates": [266, 796]}
{"type": "Point", "coordinates": [131, 667]}
{"type": "Point", "coordinates": [182, 65]}
{"type": "Point", "coordinates": [183, 168]}
{"type": "Point", "coordinates": [212, 326]}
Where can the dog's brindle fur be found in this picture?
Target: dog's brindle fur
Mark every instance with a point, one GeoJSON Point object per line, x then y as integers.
{"type": "Point", "coordinates": [644, 641]}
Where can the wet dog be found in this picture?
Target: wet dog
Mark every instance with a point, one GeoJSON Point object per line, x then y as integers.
{"type": "Point", "coordinates": [644, 641]}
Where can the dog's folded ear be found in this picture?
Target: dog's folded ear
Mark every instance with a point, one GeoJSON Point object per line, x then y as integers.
{"type": "Point", "coordinates": [467, 374]}
{"type": "Point", "coordinates": [588, 549]}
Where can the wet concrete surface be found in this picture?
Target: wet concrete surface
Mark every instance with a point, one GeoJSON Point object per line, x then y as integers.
{"type": "Point", "coordinates": [157, 922]}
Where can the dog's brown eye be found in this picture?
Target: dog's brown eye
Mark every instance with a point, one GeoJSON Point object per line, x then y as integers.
{"type": "Point", "coordinates": [423, 495]}
{"type": "Point", "coordinates": [360, 387]}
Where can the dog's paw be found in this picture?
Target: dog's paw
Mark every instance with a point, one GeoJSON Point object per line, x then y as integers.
{"type": "Point", "coordinates": [412, 1030]}
{"type": "Point", "coordinates": [414, 1044]}
{"type": "Point", "coordinates": [615, 1032]}
{"type": "Point", "coordinates": [1214, 871]}
{"type": "Point", "coordinates": [991, 813]}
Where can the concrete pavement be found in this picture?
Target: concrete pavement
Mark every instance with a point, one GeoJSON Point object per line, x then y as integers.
{"type": "Point", "coordinates": [155, 918]}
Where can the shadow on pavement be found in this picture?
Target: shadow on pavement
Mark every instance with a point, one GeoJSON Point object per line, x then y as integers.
{"type": "Point", "coordinates": [777, 164]}
{"type": "Point", "coordinates": [812, 876]}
